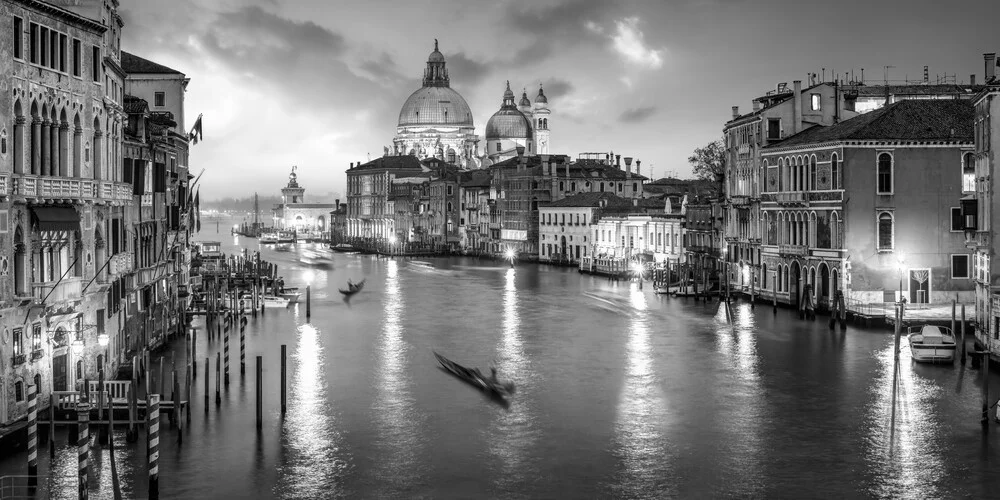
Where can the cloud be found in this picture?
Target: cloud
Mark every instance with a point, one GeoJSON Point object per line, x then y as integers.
{"type": "Point", "coordinates": [628, 41]}
{"type": "Point", "coordinates": [465, 69]}
{"type": "Point", "coordinates": [636, 115]}
{"type": "Point", "coordinates": [556, 88]}
{"type": "Point", "coordinates": [559, 24]}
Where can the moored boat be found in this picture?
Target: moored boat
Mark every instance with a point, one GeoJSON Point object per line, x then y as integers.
{"type": "Point", "coordinates": [474, 377]}
{"type": "Point", "coordinates": [932, 344]}
{"type": "Point", "coordinates": [268, 238]}
{"type": "Point", "coordinates": [274, 301]}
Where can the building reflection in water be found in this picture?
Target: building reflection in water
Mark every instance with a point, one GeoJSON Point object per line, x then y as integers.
{"type": "Point", "coordinates": [736, 345]}
{"type": "Point", "coordinates": [903, 457]}
{"type": "Point", "coordinates": [314, 463]}
{"type": "Point", "coordinates": [513, 430]}
{"type": "Point", "coordinates": [397, 422]}
{"type": "Point", "coordinates": [641, 443]}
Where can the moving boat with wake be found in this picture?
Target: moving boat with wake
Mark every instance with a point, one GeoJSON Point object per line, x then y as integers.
{"type": "Point", "coordinates": [474, 377]}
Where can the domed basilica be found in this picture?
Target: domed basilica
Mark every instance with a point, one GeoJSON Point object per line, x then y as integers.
{"type": "Point", "coordinates": [436, 122]}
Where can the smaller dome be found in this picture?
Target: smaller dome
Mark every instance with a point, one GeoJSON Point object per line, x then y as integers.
{"type": "Point", "coordinates": [524, 99]}
{"type": "Point", "coordinates": [541, 96]}
{"type": "Point", "coordinates": [508, 124]}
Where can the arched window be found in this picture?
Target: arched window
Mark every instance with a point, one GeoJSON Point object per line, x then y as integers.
{"type": "Point", "coordinates": [777, 284]}
{"type": "Point", "coordinates": [781, 174]}
{"type": "Point", "coordinates": [968, 173]}
{"type": "Point", "coordinates": [79, 369]}
{"type": "Point", "coordinates": [451, 155]}
{"type": "Point", "coordinates": [813, 174]}
{"type": "Point", "coordinates": [884, 173]}
{"type": "Point", "coordinates": [763, 276]}
{"type": "Point", "coordinates": [834, 230]}
{"type": "Point", "coordinates": [834, 172]}
{"type": "Point", "coordinates": [885, 231]}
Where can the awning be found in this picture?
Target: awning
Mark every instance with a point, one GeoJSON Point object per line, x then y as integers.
{"type": "Point", "coordinates": [56, 218]}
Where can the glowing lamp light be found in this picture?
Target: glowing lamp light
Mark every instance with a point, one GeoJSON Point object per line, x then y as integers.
{"type": "Point", "coordinates": [510, 253]}
{"type": "Point", "coordinates": [77, 347]}
{"type": "Point", "coordinates": [392, 240]}
{"type": "Point", "coordinates": [637, 268]}
{"type": "Point", "coordinates": [746, 274]}
{"type": "Point", "coordinates": [103, 339]}
{"type": "Point", "coordinates": [236, 226]}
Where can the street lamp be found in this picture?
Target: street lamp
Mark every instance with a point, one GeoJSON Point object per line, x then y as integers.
{"type": "Point", "coordinates": [510, 256]}
{"type": "Point", "coordinates": [637, 269]}
{"type": "Point", "coordinates": [78, 346]}
{"type": "Point", "coordinates": [392, 244]}
{"type": "Point", "coordinates": [103, 339]}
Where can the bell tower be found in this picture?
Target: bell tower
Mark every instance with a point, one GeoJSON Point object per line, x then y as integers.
{"type": "Point", "coordinates": [540, 119]}
{"type": "Point", "coordinates": [292, 193]}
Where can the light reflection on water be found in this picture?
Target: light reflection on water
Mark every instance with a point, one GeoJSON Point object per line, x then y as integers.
{"type": "Point", "coordinates": [640, 443]}
{"type": "Point", "coordinates": [903, 458]}
{"type": "Point", "coordinates": [314, 463]}
{"type": "Point", "coordinates": [397, 421]}
{"type": "Point", "coordinates": [512, 432]}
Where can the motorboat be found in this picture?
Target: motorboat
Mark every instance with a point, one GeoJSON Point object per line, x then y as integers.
{"type": "Point", "coordinates": [268, 238]}
{"type": "Point", "coordinates": [475, 378]}
{"type": "Point", "coordinates": [932, 344]}
{"type": "Point", "coordinates": [275, 301]}
{"type": "Point", "coordinates": [343, 248]}
{"type": "Point", "coordinates": [315, 258]}
{"type": "Point", "coordinates": [682, 287]}
{"type": "Point", "coordinates": [353, 288]}
{"type": "Point", "coordinates": [286, 236]}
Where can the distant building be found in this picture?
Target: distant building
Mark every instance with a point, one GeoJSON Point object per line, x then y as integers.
{"type": "Point", "coordinates": [523, 125]}
{"type": "Point", "coordinates": [871, 97]}
{"type": "Point", "coordinates": [653, 238]}
{"type": "Point", "coordinates": [564, 225]}
{"type": "Point", "coordinates": [868, 205]}
{"type": "Point", "coordinates": [703, 243]}
{"type": "Point", "coordinates": [293, 213]}
{"type": "Point", "coordinates": [474, 218]}
{"type": "Point", "coordinates": [338, 223]}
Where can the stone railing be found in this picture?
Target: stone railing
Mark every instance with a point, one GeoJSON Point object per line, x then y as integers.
{"type": "Point", "coordinates": [799, 250]}
{"type": "Point", "coordinates": [70, 188]}
{"type": "Point", "coordinates": [68, 288]}
{"type": "Point", "coordinates": [4, 183]}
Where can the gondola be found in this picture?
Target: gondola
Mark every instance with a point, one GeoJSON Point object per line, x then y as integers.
{"type": "Point", "coordinates": [353, 289]}
{"type": "Point", "coordinates": [475, 378]}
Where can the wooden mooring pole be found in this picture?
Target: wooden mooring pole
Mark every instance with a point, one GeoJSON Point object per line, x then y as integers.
{"type": "Point", "coordinates": [33, 435]}
{"type": "Point", "coordinates": [260, 394]}
{"type": "Point", "coordinates": [218, 379]}
{"type": "Point", "coordinates": [895, 364]}
{"type": "Point", "coordinates": [83, 447]}
{"type": "Point", "coordinates": [963, 335]}
{"type": "Point", "coordinates": [52, 425]}
{"type": "Point", "coordinates": [153, 444]}
{"type": "Point", "coordinates": [283, 377]}
{"type": "Point", "coordinates": [308, 302]}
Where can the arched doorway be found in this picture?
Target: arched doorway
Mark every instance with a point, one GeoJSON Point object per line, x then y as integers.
{"type": "Point", "coordinates": [60, 366]}
{"type": "Point", "coordinates": [824, 284]}
{"type": "Point", "coordinates": [562, 248]}
{"type": "Point", "coordinates": [793, 284]}
{"type": "Point", "coordinates": [321, 223]}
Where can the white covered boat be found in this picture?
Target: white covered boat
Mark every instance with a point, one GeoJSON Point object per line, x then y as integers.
{"type": "Point", "coordinates": [272, 301]}
{"type": "Point", "coordinates": [932, 344]}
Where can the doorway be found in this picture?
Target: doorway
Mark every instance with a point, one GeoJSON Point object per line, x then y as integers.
{"type": "Point", "coordinates": [920, 283]}
{"type": "Point", "coordinates": [793, 285]}
{"type": "Point", "coordinates": [824, 284]}
{"type": "Point", "coordinates": [59, 372]}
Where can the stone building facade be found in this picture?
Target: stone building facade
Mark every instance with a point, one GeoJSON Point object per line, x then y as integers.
{"type": "Point", "coordinates": [64, 208]}
{"type": "Point", "coordinates": [294, 214]}
{"type": "Point", "coordinates": [869, 207]}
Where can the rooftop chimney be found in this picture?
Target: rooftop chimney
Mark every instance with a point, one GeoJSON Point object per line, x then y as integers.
{"type": "Point", "coordinates": [336, 203]}
{"type": "Point", "coordinates": [736, 112]}
{"type": "Point", "coordinates": [352, 166]}
{"type": "Point", "coordinates": [618, 162]}
{"type": "Point", "coordinates": [797, 106]}
{"type": "Point", "coordinates": [991, 66]}
{"type": "Point", "coordinates": [972, 79]}
{"type": "Point", "coordinates": [637, 164]}
{"type": "Point", "coordinates": [926, 75]}
{"type": "Point", "coordinates": [628, 167]}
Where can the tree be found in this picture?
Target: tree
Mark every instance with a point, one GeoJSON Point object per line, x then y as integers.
{"type": "Point", "coordinates": [709, 162]}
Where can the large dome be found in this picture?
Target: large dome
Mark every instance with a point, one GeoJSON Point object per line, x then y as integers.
{"type": "Point", "coordinates": [508, 124]}
{"type": "Point", "coordinates": [435, 106]}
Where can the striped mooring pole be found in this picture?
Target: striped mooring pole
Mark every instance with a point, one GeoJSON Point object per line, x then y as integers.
{"type": "Point", "coordinates": [243, 345]}
{"type": "Point", "coordinates": [153, 443]}
{"type": "Point", "coordinates": [225, 356]}
{"type": "Point", "coordinates": [83, 446]}
{"type": "Point", "coordinates": [33, 435]}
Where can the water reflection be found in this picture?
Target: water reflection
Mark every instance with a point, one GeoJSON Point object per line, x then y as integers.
{"type": "Point", "coordinates": [736, 345]}
{"type": "Point", "coordinates": [640, 442]}
{"type": "Point", "coordinates": [315, 462]}
{"type": "Point", "coordinates": [904, 458]}
{"type": "Point", "coordinates": [511, 433]}
{"type": "Point", "coordinates": [397, 420]}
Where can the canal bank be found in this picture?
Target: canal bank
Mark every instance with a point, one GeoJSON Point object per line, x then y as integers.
{"type": "Point", "coordinates": [619, 393]}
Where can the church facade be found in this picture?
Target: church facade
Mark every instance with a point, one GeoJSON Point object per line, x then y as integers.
{"type": "Point", "coordinates": [436, 122]}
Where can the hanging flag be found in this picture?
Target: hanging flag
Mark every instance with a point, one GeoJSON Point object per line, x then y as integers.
{"type": "Point", "coordinates": [197, 209]}
{"type": "Point", "coordinates": [196, 134]}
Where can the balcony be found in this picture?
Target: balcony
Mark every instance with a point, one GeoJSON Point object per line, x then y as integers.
{"type": "Point", "coordinates": [792, 250]}
{"type": "Point", "coordinates": [17, 359]}
{"type": "Point", "coordinates": [67, 289]}
{"type": "Point", "coordinates": [4, 183]}
{"type": "Point", "coordinates": [37, 354]}
{"type": "Point", "coordinates": [69, 189]}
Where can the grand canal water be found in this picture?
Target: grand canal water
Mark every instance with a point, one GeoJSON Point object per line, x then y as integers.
{"type": "Point", "coordinates": [620, 393]}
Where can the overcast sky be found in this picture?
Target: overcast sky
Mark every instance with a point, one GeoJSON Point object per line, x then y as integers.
{"type": "Point", "coordinates": [319, 83]}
